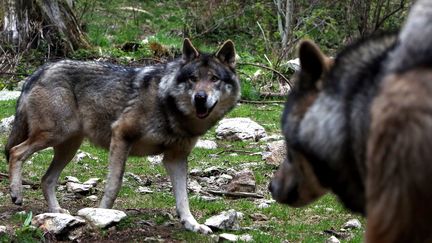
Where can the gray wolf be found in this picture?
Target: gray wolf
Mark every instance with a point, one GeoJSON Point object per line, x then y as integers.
{"type": "Point", "coordinates": [143, 111]}
{"type": "Point", "coordinates": [361, 126]}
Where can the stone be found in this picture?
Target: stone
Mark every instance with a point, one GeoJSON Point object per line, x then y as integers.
{"type": "Point", "coordinates": [144, 190]}
{"type": "Point", "coordinates": [245, 238]}
{"type": "Point", "coordinates": [155, 159]}
{"type": "Point", "coordinates": [212, 171]}
{"type": "Point", "coordinates": [259, 217]}
{"type": "Point", "coordinates": [78, 187]}
{"type": "Point", "coordinates": [235, 129]}
{"type": "Point", "coordinates": [3, 230]}
{"type": "Point", "coordinates": [92, 181]}
{"type": "Point", "coordinates": [194, 186]}
{"type": "Point", "coordinates": [332, 239]}
{"type": "Point", "coordinates": [102, 217]}
{"type": "Point", "coordinates": [72, 179]}
{"type": "Point", "coordinates": [93, 198]}
{"type": "Point", "coordinates": [228, 237]}
{"type": "Point", "coordinates": [352, 224]}
{"type": "Point", "coordinates": [56, 223]}
{"type": "Point", "coordinates": [243, 181]}
{"type": "Point", "coordinates": [9, 95]}
{"type": "Point", "coordinates": [206, 144]}
{"type": "Point", "coordinates": [294, 64]}
{"type": "Point", "coordinates": [272, 138]}
{"type": "Point", "coordinates": [275, 153]}
{"type": "Point", "coordinates": [196, 172]}
{"type": "Point", "coordinates": [81, 155]}
{"type": "Point", "coordinates": [6, 125]}
{"type": "Point", "coordinates": [226, 220]}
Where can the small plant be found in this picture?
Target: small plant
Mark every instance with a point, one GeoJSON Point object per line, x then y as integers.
{"type": "Point", "coordinates": [27, 232]}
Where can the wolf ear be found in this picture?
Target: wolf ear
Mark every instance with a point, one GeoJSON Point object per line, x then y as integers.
{"type": "Point", "coordinates": [189, 51]}
{"type": "Point", "coordinates": [313, 64]}
{"type": "Point", "coordinates": [227, 54]}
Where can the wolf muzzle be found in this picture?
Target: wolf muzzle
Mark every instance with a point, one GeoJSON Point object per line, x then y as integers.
{"type": "Point", "coordinates": [201, 104]}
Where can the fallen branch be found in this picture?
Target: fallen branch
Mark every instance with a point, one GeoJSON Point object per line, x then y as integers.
{"type": "Point", "coordinates": [24, 182]}
{"type": "Point", "coordinates": [235, 194]}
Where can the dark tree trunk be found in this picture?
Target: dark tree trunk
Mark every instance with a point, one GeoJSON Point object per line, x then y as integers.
{"type": "Point", "coordinates": [28, 22]}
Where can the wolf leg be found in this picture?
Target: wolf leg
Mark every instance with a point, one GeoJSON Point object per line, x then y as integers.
{"type": "Point", "coordinates": [119, 150]}
{"type": "Point", "coordinates": [177, 169]}
{"type": "Point", "coordinates": [63, 153]}
{"type": "Point", "coordinates": [18, 155]}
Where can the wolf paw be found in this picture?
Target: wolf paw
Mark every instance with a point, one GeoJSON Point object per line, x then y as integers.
{"type": "Point", "coordinates": [16, 196]}
{"type": "Point", "coordinates": [194, 226]}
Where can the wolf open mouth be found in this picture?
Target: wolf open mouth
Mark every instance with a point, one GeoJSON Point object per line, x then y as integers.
{"type": "Point", "coordinates": [202, 111]}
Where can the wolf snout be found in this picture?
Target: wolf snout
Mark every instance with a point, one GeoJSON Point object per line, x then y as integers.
{"type": "Point", "coordinates": [202, 106]}
{"type": "Point", "coordinates": [200, 98]}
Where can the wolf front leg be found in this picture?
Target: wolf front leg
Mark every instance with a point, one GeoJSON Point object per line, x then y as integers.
{"type": "Point", "coordinates": [176, 166]}
{"type": "Point", "coordinates": [119, 151]}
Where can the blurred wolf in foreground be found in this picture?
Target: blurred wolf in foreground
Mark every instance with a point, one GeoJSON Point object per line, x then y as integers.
{"type": "Point", "coordinates": [361, 126]}
{"type": "Point", "coordinates": [132, 111]}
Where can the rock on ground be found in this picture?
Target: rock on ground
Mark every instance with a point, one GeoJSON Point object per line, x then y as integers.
{"type": "Point", "coordinates": [6, 125]}
{"type": "Point", "coordinates": [332, 239]}
{"type": "Point", "coordinates": [56, 223]}
{"type": "Point", "coordinates": [352, 224]}
{"type": "Point", "coordinates": [9, 95]}
{"type": "Point", "coordinates": [275, 153]}
{"type": "Point", "coordinates": [243, 181]}
{"type": "Point", "coordinates": [235, 129]}
{"type": "Point", "coordinates": [206, 144]}
{"type": "Point", "coordinates": [101, 217]}
{"type": "Point", "coordinates": [226, 220]}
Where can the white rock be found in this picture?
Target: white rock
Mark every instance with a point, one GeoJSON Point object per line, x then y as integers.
{"type": "Point", "coordinates": [194, 186]}
{"type": "Point", "coordinates": [235, 129]}
{"type": "Point", "coordinates": [272, 138]}
{"type": "Point", "coordinates": [206, 144]}
{"type": "Point", "coordinates": [228, 237]}
{"type": "Point", "coordinates": [72, 179]}
{"type": "Point", "coordinates": [156, 159]}
{"type": "Point", "coordinates": [102, 217]}
{"type": "Point", "coordinates": [225, 220]}
{"type": "Point", "coordinates": [93, 198]}
{"type": "Point", "coordinates": [56, 223]}
{"type": "Point", "coordinates": [9, 95]}
{"type": "Point", "coordinates": [263, 205]}
{"type": "Point", "coordinates": [294, 64]}
{"type": "Point", "coordinates": [6, 124]}
{"type": "Point", "coordinates": [92, 181]}
{"type": "Point", "coordinates": [352, 224]}
{"type": "Point", "coordinates": [3, 230]}
{"type": "Point", "coordinates": [245, 238]}
{"type": "Point", "coordinates": [78, 187]}
{"type": "Point", "coordinates": [82, 155]}
{"type": "Point", "coordinates": [144, 190]}
{"type": "Point", "coordinates": [332, 239]}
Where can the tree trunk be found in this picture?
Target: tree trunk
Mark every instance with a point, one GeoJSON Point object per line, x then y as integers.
{"type": "Point", "coordinates": [284, 13]}
{"type": "Point", "coordinates": [28, 21]}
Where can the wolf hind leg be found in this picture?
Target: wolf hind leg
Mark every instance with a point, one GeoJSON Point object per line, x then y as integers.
{"type": "Point", "coordinates": [18, 154]}
{"type": "Point", "coordinates": [176, 167]}
{"type": "Point", "coordinates": [63, 154]}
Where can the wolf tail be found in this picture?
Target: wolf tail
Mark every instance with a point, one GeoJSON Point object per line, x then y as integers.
{"type": "Point", "coordinates": [19, 132]}
{"type": "Point", "coordinates": [414, 46]}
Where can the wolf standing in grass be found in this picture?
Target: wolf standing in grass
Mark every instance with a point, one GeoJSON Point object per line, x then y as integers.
{"type": "Point", "coordinates": [361, 126]}
{"type": "Point", "coordinates": [130, 111]}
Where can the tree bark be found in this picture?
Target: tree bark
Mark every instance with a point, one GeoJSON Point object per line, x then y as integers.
{"type": "Point", "coordinates": [26, 21]}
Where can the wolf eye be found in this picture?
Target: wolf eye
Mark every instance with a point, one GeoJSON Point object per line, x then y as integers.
{"type": "Point", "coordinates": [214, 78]}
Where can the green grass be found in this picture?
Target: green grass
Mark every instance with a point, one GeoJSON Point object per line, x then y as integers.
{"type": "Point", "coordinates": [285, 223]}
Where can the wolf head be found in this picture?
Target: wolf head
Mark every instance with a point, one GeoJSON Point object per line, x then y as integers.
{"type": "Point", "coordinates": [295, 182]}
{"type": "Point", "coordinates": [202, 87]}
